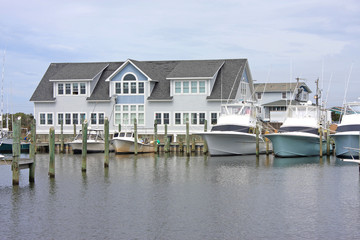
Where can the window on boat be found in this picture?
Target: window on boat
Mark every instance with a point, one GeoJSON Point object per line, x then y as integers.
{"type": "Point", "coordinates": [128, 134]}
{"type": "Point", "coordinates": [116, 134]}
{"type": "Point", "coordinates": [122, 134]}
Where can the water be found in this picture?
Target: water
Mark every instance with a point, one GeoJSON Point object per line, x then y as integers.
{"type": "Point", "coordinates": [175, 197]}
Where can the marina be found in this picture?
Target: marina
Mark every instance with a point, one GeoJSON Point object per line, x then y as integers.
{"type": "Point", "coordinates": [173, 196]}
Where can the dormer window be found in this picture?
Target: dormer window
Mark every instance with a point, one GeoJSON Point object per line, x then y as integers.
{"type": "Point", "coordinates": [71, 89]}
{"type": "Point", "coordinates": [189, 87]}
{"type": "Point", "coordinates": [129, 85]}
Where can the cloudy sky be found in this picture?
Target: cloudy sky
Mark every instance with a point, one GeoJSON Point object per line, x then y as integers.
{"type": "Point", "coordinates": [281, 39]}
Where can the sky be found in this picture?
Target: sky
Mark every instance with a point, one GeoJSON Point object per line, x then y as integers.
{"type": "Point", "coordinates": [282, 40]}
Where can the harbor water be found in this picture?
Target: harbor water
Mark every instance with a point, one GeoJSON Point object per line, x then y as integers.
{"type": "Point", "coordinates": [178, 197]}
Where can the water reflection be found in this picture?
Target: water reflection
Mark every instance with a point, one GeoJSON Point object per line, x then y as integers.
{"type": "Point", "coordinates": [291, 162]}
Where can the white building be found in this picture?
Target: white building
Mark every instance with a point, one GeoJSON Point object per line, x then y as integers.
{"type": "Point", "coordinates": [166, 91]}
{"type": "Point", "coordinates": [275, 97]}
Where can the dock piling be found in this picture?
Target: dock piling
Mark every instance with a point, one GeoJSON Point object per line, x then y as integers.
{"type": "Point", "coordinates": [155, 136]}
{"type": "Point", "coordinates": [106, 128]}
{"type": "Point", "coordinates": [205, 148]}
{"type": "Point", "coordinates": [257, 141]}
{"type": "Point", "coordinates": [166, 142]}
{"type": "Point", "coordinates": [136, 137]}
{"type": "Point", "coordinates": [32, 151]}
{"type": "Point", "coordinates": [187, 138]}
{"type": "Point", "coordinates": [84, 146]}
{"type": "Point", "coordinates": [328, 142]}
{"type": "Point", "coordinates": [321, 141]}
{"type": "Point", "coordinates": [52, 152]}
{"type": "Point", "coordinates": [16, 152]}
{"type": "Point", "coordinates": [62, 137]}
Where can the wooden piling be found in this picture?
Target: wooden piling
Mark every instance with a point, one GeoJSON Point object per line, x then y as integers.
{"type": "Point", "coordinates": [136, 137]}
{"type": "Point", "coordinates": [32, 151]}
{"type": "Point", "coordinates": [320, 139]}
{"type": "Point", "coordinates": [52, 152]}
{"type": "Point", "coordinates": [74, 130]}
{"type": "Point", "coordinates": [205, 148]}
{"type": "Point", "coordinates": [181, 144]}
{"type": "Point", "coordinates": [257, 141]}
{"type": "Point", "coordinates": [166, 140]}
{"type": "Point", "coordinates": [119, 127]}
{"type": "Point", "coordinates": [155, 136]}
{"type": "Point", "coordinates": [84, 146]}
{"type": "Point", "coordinates": [62, 137]}
{"type": "Point", "coordinates": [106, 128]}
{"type": "Point", "coordinates": [16, 152]}
{"type": "Point", "coordinates": [187, 137]}
{"type": "Point", "coordinates": [328, 142]}
{"type": "Point", "coordinates": [193, 143]}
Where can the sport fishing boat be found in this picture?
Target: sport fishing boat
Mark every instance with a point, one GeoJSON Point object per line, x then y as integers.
{"type": "Point", "coordinates": [6, 142]}
{"type": "Point", "coordinates": [348, 132]}
{"type": "Point", "coordinates": [95, 141]}
{"type": "Point", "coordinates": [124, 142]}
{"type": "Point", "coordinates": [234, 133]}
{"type": "Point", "coordinates": [299, 135]}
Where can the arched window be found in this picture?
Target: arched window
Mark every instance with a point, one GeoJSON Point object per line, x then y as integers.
{"type": "Point", "coordinates": [129, 77]}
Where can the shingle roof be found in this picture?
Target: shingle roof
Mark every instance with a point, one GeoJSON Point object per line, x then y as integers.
{"type": "Point", "coordinates": [78, 71]}
{"type": "Point", "coordinates": [195, 69]}
{"type": "Point", "coordinates": [279, 87]}
{"type": "Point", "coordinates": [158, 71]}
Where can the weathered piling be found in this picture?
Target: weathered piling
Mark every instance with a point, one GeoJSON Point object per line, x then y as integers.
{"type": "Point", "coordinates": [84, 146]}
{"type": "Point", "coordinates": [62, 137]}
{"type": "Point", "coordinates": [136, 137]}
{"type": "Point", "coordinates": [321, 141]}
{"type": "Point", "coordinates": [187, 137]}
{"type": "Point", "coordinates": [155, 136]}
{"type": "Point", "coordinates": [16, 152]}
{"type": "Point", "coordinates": [32, 151]}
{"type": "Point", "coordinates": [193, 143]}
{"type": "Point", "coordinates": [52, 152]}
{"type": "Point", "coordinates": [74, 130]}
{"type": "Point", "coordinates": [181, 144]}
{"type": "Point", "coordinates": [328, 142]}
{"type": "Point", "coordinates": [257, 141]}
{"type": "Point", "coordinates": [205, 148]}
{"type": "Point", "coordinates": [267, 146]}
{"type": "Point", "coordinates": [106, 129]}
{"type": "Point", "coordinates": [166, 141]}
{"type": "Point", "coordinates": [119, 127]}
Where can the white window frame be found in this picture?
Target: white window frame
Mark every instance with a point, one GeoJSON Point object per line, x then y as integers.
{"type": "Point", "coordinates": [190, 87]}
{"type": "Point", "coordinates": [79, 84]}
{"type": "Point", "coordinates": [46, 119]}
{"type": "Point", "coordinates": [129, 121]}
{"type": "Point", "coordinates": [217, 117]}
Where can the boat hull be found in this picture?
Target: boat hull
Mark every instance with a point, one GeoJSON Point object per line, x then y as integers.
{"type": "Point", "coordinates": [6, 147]}
{"type": "Point", "coordinates": [344, 143]}
{"type": "Point", "coordinates": [293, 145]}
{"type": "Point", "coordinates": [232, 143]}
{"type": "Point", "coordinates": [126, 146]}
{"type": "Point", "coordinates": [92, 147]}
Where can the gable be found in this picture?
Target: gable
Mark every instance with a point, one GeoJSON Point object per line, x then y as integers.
{"type": "Point", "coordinates": [129, 68]}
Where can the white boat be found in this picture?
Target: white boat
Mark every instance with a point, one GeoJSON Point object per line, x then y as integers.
{"type": "Point", "coordinates": [95, 142]}
{"type": "Point", "coordinates": [124, 142]}
{"type": "Point", "coordinates": [298, 136]}
{"type": "Point", "coordinates": [348, 132]}
{"type": "Point", "coordinates": [234, 133]}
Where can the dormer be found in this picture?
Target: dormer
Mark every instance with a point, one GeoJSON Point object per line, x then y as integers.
{"type": "Point", "coordinates": [77, 79]}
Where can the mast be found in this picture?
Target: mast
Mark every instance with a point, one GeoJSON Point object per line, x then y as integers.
{"type": "Point", "coordinates": [2, 91]}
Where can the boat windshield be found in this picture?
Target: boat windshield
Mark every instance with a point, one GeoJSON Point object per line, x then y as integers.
{"type": "Point", "coordinates": [302, 111]}
{"type": "Point", "coordinates": [235, 110]}
{"type": "Point", "coordinates": [352, 109]}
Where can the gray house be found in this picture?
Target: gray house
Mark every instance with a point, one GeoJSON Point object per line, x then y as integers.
{"type": "Point", "coordinates": [168, 92]}
{"type": "Point", "coordinates": [275, 97]}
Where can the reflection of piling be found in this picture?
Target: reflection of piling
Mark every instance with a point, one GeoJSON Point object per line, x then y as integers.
{"type": "Point", "coordinates": [32, 151]}
{"type": "Point", "coordinates": [52, 152]}
{"type": "Point", "coordinates": [106, 128]}
{"type": "Point", "coordinates": [84, 146]}
{"type": "Point", "coordinates": [16, 152]}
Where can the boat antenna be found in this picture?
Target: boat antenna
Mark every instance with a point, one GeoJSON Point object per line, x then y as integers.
{"type": "Point", "coordinates": [346, 89]}
{"type": "Point", "coordinates": [232, 88]}
{"type": "Point", "coordinates": [328, 90]}
{"type": "Point", "coordinates": [2, 90]}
